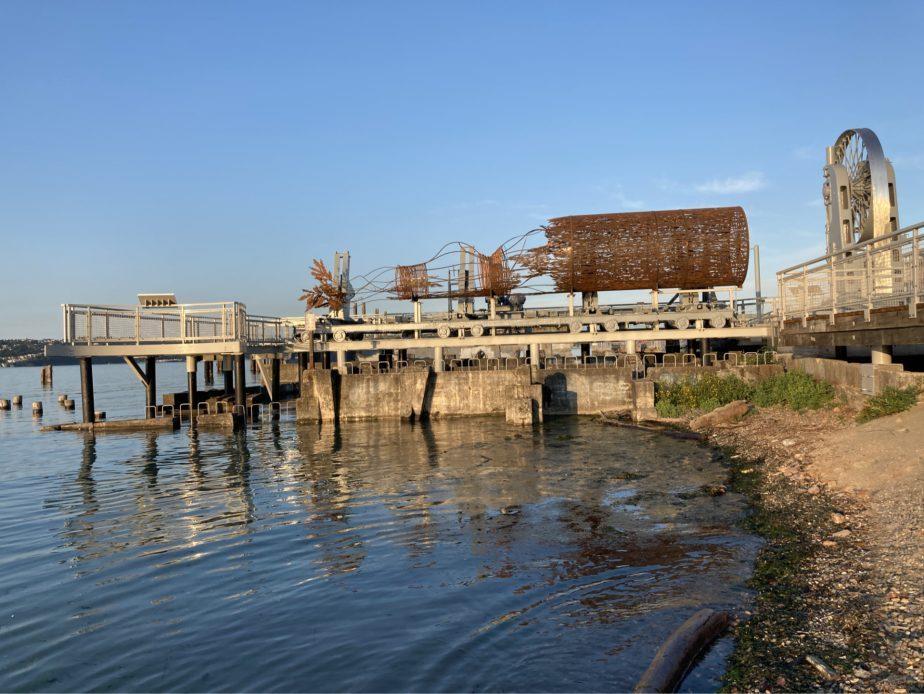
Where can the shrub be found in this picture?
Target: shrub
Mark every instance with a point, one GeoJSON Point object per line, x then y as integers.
{"type": "Point", "coordinates": [699, 395]}
{"type": "Point", "coordinates": [889, 401]}
{"type": "Point", "coordinates": [794, 389]}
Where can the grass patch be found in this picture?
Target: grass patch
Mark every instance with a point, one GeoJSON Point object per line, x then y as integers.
{"type": "Point", "coordinates": [699, 395]}
{"type": "Point", "coordinates": [889, 401]}
{"type": "Point", "coordinates": [795, 390]}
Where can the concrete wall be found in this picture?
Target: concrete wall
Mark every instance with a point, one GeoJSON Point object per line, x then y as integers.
{"type": "Point", "coordinates": [460, 393]}
{"type": "Point", "coordinates": [587, 391]}
{"type": "Point", "coordinates": [868, 379]}
{"type": "Point", "coordinates": [326, 395]}
{"type": "Point", "coordinates": [666, 375]}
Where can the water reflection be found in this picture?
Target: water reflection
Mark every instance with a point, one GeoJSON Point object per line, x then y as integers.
{"type": "Point", "coordinates": [457, 554]}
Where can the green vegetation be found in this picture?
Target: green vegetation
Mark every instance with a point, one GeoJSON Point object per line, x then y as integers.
{"type": "Point", "coordinates": [889, 401]}
{"type": "Point", "coordinates": [699, 395]}
{"type": "Point", "coordinates": [793, 389]}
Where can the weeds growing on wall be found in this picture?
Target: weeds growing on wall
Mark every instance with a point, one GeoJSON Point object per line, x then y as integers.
{"type": "Point", "coordinates": [793, 389]}
{"type": "Point", "coordinates": [889, 401]}
{"type": "Point", "coordinates": [699, 395]}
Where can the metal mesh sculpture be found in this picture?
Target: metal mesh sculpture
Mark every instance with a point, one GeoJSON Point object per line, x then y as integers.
{"type": "Point", "coordinates": [682, 249]}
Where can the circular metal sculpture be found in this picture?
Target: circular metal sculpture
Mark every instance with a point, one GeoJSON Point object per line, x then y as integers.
{"type": "Point", "coordinates": [671, 249]}
{"type": "Point", "coordinates": [860, 153]}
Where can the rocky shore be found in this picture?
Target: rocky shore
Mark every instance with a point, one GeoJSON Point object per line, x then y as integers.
{"type": "Point", "coordinates": [839, 584]}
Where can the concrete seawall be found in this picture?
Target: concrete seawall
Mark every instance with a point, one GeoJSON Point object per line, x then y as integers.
{"type": "Point", "coordinates": [328, 395]}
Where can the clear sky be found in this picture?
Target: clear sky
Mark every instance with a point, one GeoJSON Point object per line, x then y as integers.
{"type": "Point", "coordinates": [214, 148]}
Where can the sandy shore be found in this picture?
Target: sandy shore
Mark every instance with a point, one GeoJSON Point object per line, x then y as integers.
{"type": "Point", "coordinates": [840, 581]}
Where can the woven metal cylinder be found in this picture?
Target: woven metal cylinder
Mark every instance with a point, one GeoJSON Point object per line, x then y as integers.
{"type": "Point", "coordinates": [676, 249]}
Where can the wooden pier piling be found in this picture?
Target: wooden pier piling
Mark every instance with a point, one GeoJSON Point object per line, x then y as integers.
{"type": "Point", "coordinates": [86, 389]}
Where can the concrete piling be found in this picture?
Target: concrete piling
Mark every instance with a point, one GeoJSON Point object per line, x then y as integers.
{"type": "Point", "coordinates": [191, 386]}
{"type": "Point", "coordinates": [62, 398]}
{"type": "Point", "coordinates": [69, 404]}
{"type": "Point", "coordinates": [36, 409]}
{"type": "Point", "coordinates": [17, 401]}
{"type": "Point", "coordinates": [47, 375]}
{"type": "Point", "coordinates": [99, 416]}
{"type": "Point", "coordinates": [227, 374]}
{"type": "Point", "coordinates": [4, 404]}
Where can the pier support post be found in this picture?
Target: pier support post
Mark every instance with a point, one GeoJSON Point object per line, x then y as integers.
{"type": "Point", "coordinates": [227, 374]}
{"type": "Point", "coordinates": [630, 347]}
{"type": "Point", "coordinates": [534, 355]}
{"type": "Point", "coordinates": [438, 364]}
{"type": "Point", "coordinates": [150, 387]}
{"type": "Point", "coordinates": [341, 361]}
{"type": "Point", "coordinates": [240, 383]}
{"type": "Point", "coordinates": [302, 365]}
{"type": "Point", "coordinates": [274, 378]}
{"type": "Point", "coordinates": [208, 372]}
{"type": "Point", "coordinates": [325, 360]}
{"type": "Point", "coordinates": [585, 351]}
{"type": "Point", "coordinates": [86, 389]}
{"type": "Point", "coordinates": [192, 387]}
{"type": "Point", "coordinates": [703, 347]}
{"type": "Point", "coordinates": [882, 354]}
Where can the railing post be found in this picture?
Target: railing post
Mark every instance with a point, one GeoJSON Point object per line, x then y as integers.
{"type": "Point", "coordinates": [913, 307]}
{"type": "Point", "coordinates": [869, 287]}
{"type": "Point", "coordinates": [137, 325]}
{"type": "Point", "coordinates": [182, 323]}
{"type": "Point", "coordinates": [833, 289]}
{"type": "Point", "coordinates": [89, 325]}
{"type": "Point", "coordinates": [804, 296]}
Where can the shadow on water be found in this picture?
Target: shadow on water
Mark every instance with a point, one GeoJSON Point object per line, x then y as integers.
{"type": "Point", "coordinates": [372, 556]}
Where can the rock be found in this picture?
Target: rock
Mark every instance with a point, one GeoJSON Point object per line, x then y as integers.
{"type": "Point", "coordinates": [821, 666]}
{"type": "Point", "coordinates": [838, 518]}
{"type": "Point", "coordinates": [861, 673]}
{"type": "Point", "coordinates": [726, 414]}
{"type": "Point", "coordinates": [841, 533]}
{"type": "Point", "coordinates": [788, 442]}
{"type": "Point", "coordinates": [814, 489]}
{"type": "Point", "coordinates": [828, 543]}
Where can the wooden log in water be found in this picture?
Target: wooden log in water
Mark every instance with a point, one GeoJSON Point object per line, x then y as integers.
{"type": "Point", "coordinates": [672, 661]}
{"type": "Point", "coordinates": [660, 429]}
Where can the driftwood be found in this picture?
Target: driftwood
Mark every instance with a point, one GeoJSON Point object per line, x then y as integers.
{"type": "Point", "coordinates": [653, 427]}
{"type": "Point", "coordinates": [672, 661]}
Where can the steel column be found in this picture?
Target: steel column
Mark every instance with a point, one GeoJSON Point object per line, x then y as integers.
{"type": "Point", "coordinates": [150, 387]}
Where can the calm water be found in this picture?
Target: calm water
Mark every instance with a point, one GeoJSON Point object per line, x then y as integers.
{"type": "Point", "coordinates": [460, 555]}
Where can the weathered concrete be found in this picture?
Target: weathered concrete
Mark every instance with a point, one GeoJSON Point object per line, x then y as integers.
{"type": "Point", "coordinates": [869, 379]}
{"type": "Point", "coordinates": [587, 391]}
{"type": "Point", "coordinates": [383, 396]}
{"type": "Point", "coordinates": [521, 411]}
{"type": "Point", "coordinates": [666, 375]}
{"type": "Point", "coordinates": [225, 421]}
{"type": "Point", "coordinates": [119, 425]}
{"type": "Point", "coordinates": [464, 393]}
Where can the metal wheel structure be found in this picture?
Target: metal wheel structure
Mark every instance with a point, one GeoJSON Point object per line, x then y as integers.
{"type": "Point", "coordinates": [860, 153]}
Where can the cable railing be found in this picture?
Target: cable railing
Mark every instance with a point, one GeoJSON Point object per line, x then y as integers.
{"type": "Point", "coordinates": [884, 272]}
{"type": "Point", "coordinates": [88, 324]}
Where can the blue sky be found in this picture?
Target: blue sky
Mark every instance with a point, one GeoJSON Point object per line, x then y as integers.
{"type": "Point", "coordinates": [214, 149]}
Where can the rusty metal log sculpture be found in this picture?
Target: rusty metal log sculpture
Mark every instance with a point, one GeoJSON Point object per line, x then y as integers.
{"type": "Point", "coordinates": [678, 249]}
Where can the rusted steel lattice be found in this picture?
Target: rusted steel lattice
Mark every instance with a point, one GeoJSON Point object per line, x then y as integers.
{"type": "Point", "coordinates": [478, 275]}
{"type": "Point", "coordinates": [681, 249]}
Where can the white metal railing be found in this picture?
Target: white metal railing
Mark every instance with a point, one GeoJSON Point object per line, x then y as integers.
{"type": "Point", "coordinates": [87, 324]}
{"type": "Point", "coordinates": [883, 272]}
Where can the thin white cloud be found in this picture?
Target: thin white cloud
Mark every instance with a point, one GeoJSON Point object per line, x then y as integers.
{"type": "Point", "coordinates": [909, 161]}
{"type": "Point", "coordinates": [746, 183]}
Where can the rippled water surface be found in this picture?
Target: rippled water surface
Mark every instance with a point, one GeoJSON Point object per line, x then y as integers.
{"type": "Point", "coordinates": [459, 555]}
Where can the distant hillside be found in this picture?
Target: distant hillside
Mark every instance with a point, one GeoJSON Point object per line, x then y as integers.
{"type": "Point", "coordinates": [25, 352]}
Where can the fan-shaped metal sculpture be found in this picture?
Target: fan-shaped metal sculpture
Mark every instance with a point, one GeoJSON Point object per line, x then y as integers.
{"type": "Point", "coordinates": [860, 153]}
